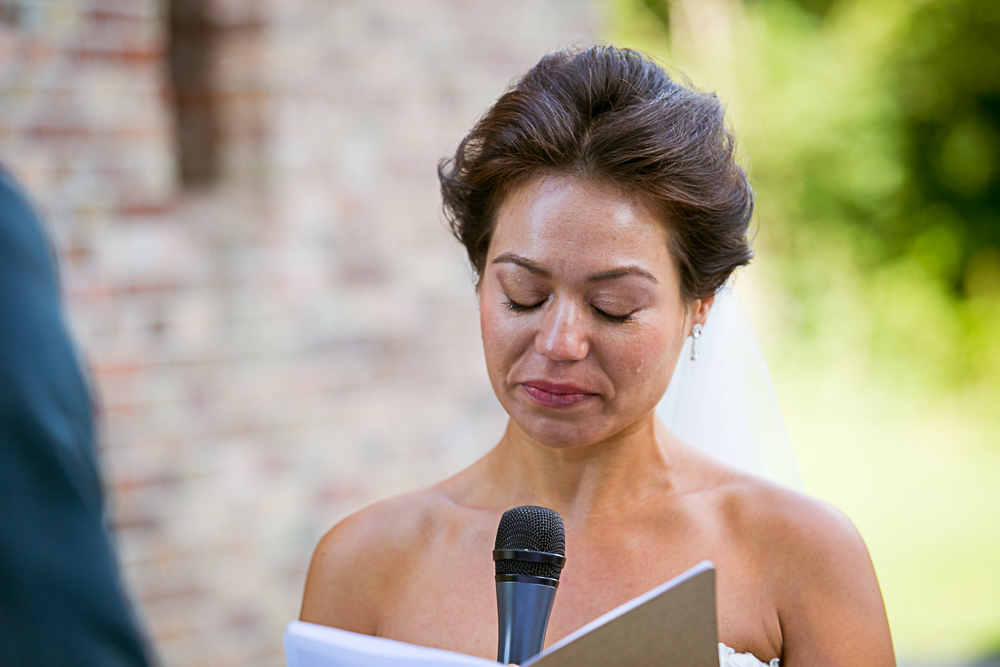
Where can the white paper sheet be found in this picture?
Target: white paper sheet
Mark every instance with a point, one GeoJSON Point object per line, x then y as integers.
{"type": "Point", "coordinates": [311, 645]}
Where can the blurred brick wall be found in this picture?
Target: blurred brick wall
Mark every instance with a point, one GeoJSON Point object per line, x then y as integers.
{"type": "Point", "coordinates": [294, 335]}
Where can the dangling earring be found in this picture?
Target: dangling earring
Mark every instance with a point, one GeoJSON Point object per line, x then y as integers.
{"type": "Point", "coordinates": [695, 334]}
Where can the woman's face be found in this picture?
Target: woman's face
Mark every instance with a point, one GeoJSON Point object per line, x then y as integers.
{"type": "Point", "coordinates": [581, 311]}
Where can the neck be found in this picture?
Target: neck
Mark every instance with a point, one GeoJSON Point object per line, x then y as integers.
{"type": "Point", "coordinates": [588, 480]}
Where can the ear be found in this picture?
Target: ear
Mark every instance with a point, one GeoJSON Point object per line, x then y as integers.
{"type": "Point", "coordinates": [699, 311]}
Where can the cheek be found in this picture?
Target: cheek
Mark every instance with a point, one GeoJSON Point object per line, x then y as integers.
{"type": "Point", "coordinates": [505, 338]}
{"type": "Point", "coordinates": [642, 361]}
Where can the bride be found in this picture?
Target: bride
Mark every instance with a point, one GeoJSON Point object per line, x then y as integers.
{"type": "Point", "coordinates": [602, 209]}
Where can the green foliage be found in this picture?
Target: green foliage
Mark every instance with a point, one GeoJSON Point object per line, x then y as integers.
{"type": "Point", "coordinates": [948, 87]}
{"type": "Point", "coordinates": [660, 9]}
{"type": "Point", "coordinates": [871, 129]}
{"type": "Point", "coordinates": [818, 8]}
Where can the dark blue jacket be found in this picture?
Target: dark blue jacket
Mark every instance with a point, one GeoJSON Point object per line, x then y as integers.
{"type": "Point", "coordinates": [61, 601]}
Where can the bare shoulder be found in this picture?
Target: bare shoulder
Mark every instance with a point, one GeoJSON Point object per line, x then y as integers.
{"type": "Point", "coordinates": [358, 561]}
{"type": "Point", "coordinates": [782, 522]}
{"type": "Point", "coordinates": [810, 542]}
{"type": "Point", "coordinates": [818, 571]}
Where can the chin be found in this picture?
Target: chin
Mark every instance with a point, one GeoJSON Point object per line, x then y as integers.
{"type": "Point", "coordinates": [561, 434]}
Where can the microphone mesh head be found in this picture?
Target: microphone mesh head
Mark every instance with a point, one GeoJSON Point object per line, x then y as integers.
{"type": "Point", "coordinates": [531, 528]}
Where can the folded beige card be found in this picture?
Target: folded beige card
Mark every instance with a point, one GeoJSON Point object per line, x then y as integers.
{"type": "Point", "coordinates": [672, 625]}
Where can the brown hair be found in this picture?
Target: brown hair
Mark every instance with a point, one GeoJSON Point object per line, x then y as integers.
{"type": "Point", "coordinates": [614, 115]}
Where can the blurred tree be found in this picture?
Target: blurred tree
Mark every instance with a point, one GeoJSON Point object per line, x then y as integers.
{"type": "Point", "coordinates": [819, 8]}
{"type": "Point", "coordinates": [949, 94]}
{"type": "Point", "coordinates": [661, 10]}
{"type": "Point", "coordinates": [872, 132]}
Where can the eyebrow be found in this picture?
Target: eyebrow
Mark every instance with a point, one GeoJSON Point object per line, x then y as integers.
{"type": "Point", "coordinates": [540, 271]}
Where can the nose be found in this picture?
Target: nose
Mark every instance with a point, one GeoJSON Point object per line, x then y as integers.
{"type": "Point", "coordinates": [563, 335]}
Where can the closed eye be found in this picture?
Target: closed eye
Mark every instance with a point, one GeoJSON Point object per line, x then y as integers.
{"type": "Point", "coordinates": [614, 318]}
{"type": "Point", "coordinates": [520, 307]}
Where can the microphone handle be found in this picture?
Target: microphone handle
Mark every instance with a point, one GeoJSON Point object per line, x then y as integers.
{"type": "Point", "coordinates": [523, 609]}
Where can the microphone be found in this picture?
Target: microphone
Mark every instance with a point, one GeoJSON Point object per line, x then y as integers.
{"type": "Point", "coordinates": [530, 553]}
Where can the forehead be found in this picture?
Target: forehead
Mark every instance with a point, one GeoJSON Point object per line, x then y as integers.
{"type": "Point", "coordinates": [567, 222]}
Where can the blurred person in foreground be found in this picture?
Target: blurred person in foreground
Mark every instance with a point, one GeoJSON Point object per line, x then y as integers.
{"type": "Point", "coordinates": [61, 601]}
{"type": "Point", "coordinates": [603, 210]}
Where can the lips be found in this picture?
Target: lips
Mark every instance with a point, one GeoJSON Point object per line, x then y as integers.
{"type": "Point", "coordinates": [555, 395]}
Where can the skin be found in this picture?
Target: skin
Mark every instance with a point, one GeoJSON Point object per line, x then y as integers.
{"type": "Point", "coordinates": [580, 290]}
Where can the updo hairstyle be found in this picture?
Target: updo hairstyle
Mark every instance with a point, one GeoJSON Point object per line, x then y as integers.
{"type": "Point", "coordinates": [610, 115]}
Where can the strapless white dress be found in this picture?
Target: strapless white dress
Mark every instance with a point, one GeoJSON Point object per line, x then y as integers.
{"type": "Point", "coordinates": [730, 658]}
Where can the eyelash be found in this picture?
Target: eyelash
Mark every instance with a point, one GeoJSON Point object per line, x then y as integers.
{"type": "Point", "coordinates": [519, 308]}
{"type": "Point", "coordinates": [620, 319]}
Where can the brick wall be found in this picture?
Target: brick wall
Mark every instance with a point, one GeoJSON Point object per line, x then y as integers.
{"type": "Point", "coordinates": [293, 335]}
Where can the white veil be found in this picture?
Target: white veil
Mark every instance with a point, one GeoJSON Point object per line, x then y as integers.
{"type": "Point", "coordinates": [724, 402]}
